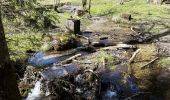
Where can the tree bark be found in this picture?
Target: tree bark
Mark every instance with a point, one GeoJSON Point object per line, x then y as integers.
{"type": "Point", "coordinates": [8, 83]}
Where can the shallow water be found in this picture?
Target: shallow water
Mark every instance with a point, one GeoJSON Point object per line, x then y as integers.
{"type": "Point", "coordinates": [35, 93]}
{"type": "Point", "coordinates": [42, 59]}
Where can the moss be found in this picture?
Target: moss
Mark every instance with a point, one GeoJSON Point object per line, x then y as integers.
{"type": "Point", "coordinates": [164, 63]}
{"type": "Point", "coordinates": [147, 52]}
{"type": "Point", "coordinates": [59, 42]}
{"type": "Point", "coordinates": [18, 44]}
{"type": "Point", "coordinates": [105, 57]}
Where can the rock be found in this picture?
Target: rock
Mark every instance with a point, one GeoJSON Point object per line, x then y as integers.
{"type": "Point", "coordinates": [58, 72]}
{"type": "Point", "coordinates": [59, 42]}
{"type": "Point", "coordinates": [113, 82]}
{"type": "Point", "coordinates": [164, 77]}
{"type": "Point", "coordinates": [142, 38]}
{"type": "Point", "coordinates": [163, 49]}
{"type": "Point", "coordinates": [165, 38]}
{"type": "Point", "coordinates": [116, 19]}
{"type": "Point", "coordinates": [109, 95]}
{"type": "Point", "coordinates": [167, 95]}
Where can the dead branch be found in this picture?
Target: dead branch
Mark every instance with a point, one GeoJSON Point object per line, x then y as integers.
{"type": "Point", "coordinates": [144, 66]}
{"type": "Point", "coordinates": [69, 59]}
{"type": "Point", "coordinates": [82, 62]}
{"type": "Point", "coordinates": [134, 55]}
{"type": "Point", "coordinates": [123, 46]}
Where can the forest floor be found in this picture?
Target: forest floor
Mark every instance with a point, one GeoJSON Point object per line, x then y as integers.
{"type": "Point", "coordinates": [150, 68]}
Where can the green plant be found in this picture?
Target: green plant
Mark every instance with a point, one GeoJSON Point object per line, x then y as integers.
{"type": "Point", "coordinates": [18, 44]}
{"type": "Point", "coordinates": [164, 63]}
{"type": "Point", "coordinates": [106, 58]}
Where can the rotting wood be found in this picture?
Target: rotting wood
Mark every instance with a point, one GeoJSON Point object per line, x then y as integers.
{"type": "Point", "coordinates": [144, 66]}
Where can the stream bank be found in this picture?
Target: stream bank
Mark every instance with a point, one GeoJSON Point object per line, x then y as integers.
{"type": "Point", "coordinates": [102, 72]}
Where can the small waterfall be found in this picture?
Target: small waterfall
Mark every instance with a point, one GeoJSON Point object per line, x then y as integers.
{"type": "Point", "coordinates": [35, 92]}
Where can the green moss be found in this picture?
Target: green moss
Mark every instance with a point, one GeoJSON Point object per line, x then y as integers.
{"type": "Point", "coordinates": [164, 63]}
{"type": "Point", "coordinates": [105, 57]}
{"type": "Point", "coordinates": [65, 41]}
{"type": "Point", "coordinates": [18, 44]}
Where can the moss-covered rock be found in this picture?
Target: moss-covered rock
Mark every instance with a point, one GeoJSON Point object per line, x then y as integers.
{"type": "Point", "coordinates": [59, 42]}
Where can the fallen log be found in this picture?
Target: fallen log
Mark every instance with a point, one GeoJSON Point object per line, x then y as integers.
{"type": "Point", "coordinates": [123, 46]}
{"type": "Point", "coordinates": [130, 70]}
{"type": "Point", "coordinates": [146, 37]}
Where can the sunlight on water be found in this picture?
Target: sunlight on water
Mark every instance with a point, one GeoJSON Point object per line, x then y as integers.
{"type": "Point", "coordinates": [35, 92]}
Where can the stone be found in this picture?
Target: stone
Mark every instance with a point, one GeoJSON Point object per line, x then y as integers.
{"type": "Point", "coordinates": [58, 72]}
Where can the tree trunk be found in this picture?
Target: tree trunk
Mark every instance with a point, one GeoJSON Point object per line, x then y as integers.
{"type": "Point", "coordinates": [8, 83]}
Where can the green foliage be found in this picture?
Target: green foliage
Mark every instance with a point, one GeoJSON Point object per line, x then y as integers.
{"type": "Point", "coordinates": [18, 44]}
{"type": "Point", "coordinates": [22, 19]}
{"type": "Point", "coordinates": [139, 9]}
{"type": "Point", "coordinates": [29, 12]}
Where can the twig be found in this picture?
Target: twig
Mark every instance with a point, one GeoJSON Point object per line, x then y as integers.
{"type": "Point", "coordinates": [69, 59]}
{"type": "Point", "coordinates": [144, 66]}
{"type": "Point", "coordinates": [82, 62]}
{"type": "Point", "coordinates": [134, 55]}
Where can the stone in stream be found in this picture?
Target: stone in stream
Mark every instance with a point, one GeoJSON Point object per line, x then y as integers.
{"type": "Point", "coordinates": [112, 83]}
{"type": "Point", "coordinates": [58, 72]}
